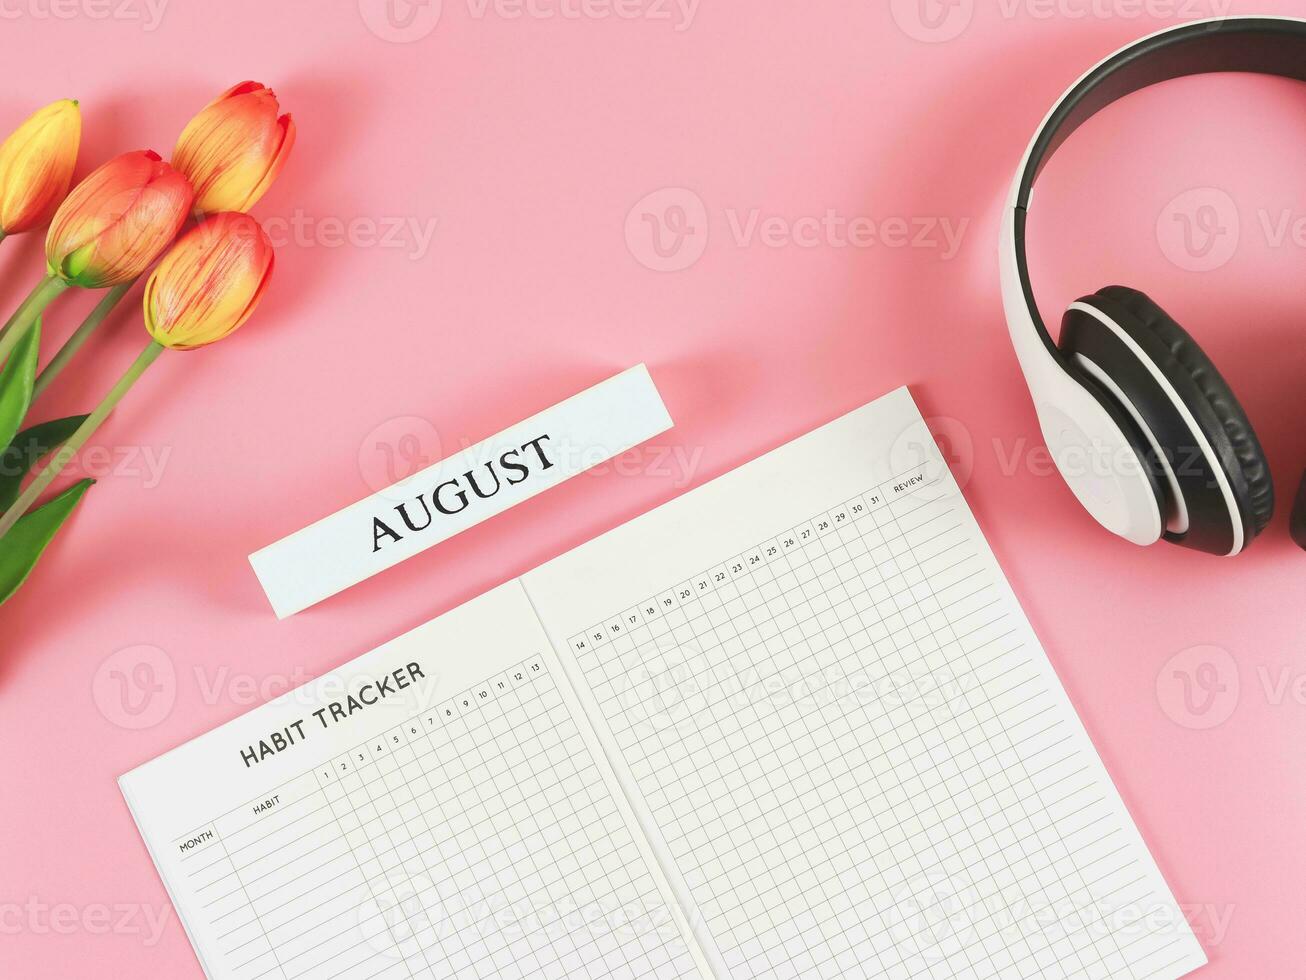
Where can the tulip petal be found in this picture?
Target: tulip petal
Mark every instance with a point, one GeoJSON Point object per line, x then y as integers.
{"type": "Point", "coordinates": [117, 220]}
{"type": "Point", "coordinates": [209, 283]}
{"type": "Point", "coordinates": [286, 127]}
{"type": "Point", "coordinates": [36, 166]}
{"type": "Point", "coordinates": [234, 148]}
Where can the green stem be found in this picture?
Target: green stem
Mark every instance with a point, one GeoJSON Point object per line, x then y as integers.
{"type": "Point", "coordinates": [83, 333]}
{"type": "Point", "coordinates": [28, 313]}
{"type": "Point", "coordinates": [78, 439]}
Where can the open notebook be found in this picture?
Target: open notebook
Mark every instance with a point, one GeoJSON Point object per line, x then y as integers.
{"type": "Point", "coordinates": [791, 724]}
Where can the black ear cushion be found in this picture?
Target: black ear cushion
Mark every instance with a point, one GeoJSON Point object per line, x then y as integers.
{"type": "Point", "coordinates": [1185, 354]}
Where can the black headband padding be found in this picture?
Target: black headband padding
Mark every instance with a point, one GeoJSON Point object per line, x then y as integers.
{"type": "Point", "coordinates": [1259, 45]}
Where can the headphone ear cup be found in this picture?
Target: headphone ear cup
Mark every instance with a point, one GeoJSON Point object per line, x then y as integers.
{"type": "Point", "coordinates": [1211, 463]}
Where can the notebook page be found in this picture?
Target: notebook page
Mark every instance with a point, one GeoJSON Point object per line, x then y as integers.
{"type": "Point", "coordinates": [849, 750]}
{"type": "Point", "coordinates": [436, 808]}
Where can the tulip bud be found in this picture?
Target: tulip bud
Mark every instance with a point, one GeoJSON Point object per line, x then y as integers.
{"type": "Point", "coordinates": [117, 221]}
{"type": "Point", "coordinates": [233, 150]}
{"type": "Point", "coordinates": [36, 166]}
{"type": "Point", "coordinates": [209, 282]}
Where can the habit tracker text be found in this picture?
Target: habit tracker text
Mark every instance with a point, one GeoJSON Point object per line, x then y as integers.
{"type": "Point", "coordinates": [368, 694]}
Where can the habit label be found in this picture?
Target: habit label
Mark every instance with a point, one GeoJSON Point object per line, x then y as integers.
{"type": "Point", "coordinates": [459, 492]}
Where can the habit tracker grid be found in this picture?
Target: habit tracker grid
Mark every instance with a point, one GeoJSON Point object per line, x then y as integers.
{"type": "Point", "coordinates": [791, 724]}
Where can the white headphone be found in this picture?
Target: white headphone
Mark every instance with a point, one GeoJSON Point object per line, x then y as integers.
{"type": "Point", "coordinates": [1143, 428]}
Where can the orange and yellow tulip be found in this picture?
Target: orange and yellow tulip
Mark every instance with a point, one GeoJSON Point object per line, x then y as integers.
{"type": "Point", "coordinates": [117, 221]}
{"type": "Point", "coordinates": [233, 150]}
{"type": "Point", "coordinates": [36, 166]}
{"type": "Point", "coordinates": [209, 283]}
{"type": "Point", "coordinates": [206, 286]}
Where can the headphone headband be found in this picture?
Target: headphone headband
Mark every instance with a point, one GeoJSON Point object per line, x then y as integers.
{"type": "Point", "coordinates": [1261, 45]}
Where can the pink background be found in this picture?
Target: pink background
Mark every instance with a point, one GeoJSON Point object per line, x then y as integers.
{"type": "Point", "coordinates": [529, 140]}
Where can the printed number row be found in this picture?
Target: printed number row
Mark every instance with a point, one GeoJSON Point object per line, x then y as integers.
{"type": "Point", "coordinates": [730, 571]}
{"type": "Point", "coordinates": [418, 727]}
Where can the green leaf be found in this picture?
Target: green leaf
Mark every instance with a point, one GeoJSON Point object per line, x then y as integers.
{"type": "Point", "coordinates": [27, 449]}
{"type": "Point", "coordinates": [16, 380]}
{"type": "Point", "coordinates": [22, 546]}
